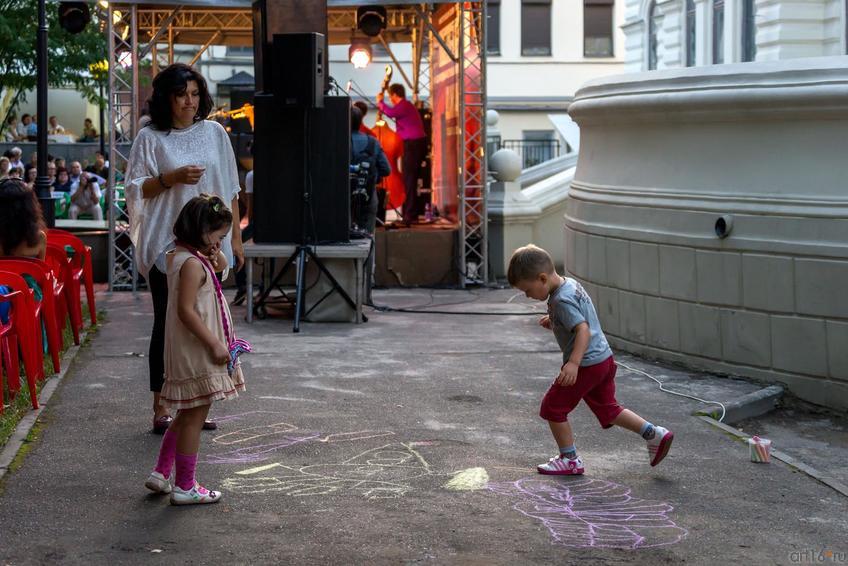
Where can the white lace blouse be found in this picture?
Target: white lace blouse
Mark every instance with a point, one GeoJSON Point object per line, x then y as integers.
{"type": "Point", "coordinates": [204, 143]}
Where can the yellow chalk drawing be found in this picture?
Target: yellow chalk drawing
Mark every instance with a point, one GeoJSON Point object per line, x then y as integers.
{"type": "Point", "coordinates": [471, 479]}
{"type": "Point", "coordinates": [258, 469]}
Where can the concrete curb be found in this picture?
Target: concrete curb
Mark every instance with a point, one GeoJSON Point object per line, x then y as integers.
{"type": "Point", "coordinates": [18, 438]}
{"type": "Point", "coordinates": [785, 458]}
{"type": "Point", "coordinates": [748, 406]}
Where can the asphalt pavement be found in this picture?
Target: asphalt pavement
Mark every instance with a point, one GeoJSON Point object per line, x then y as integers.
{"type": "Point", "coordinates": [410, 439]}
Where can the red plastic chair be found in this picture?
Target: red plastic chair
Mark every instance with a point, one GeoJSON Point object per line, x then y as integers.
{"type": "Point", "coordinates": [43, 275]}
{"type": "Point", "coordinates": [27, 330]}
{"type": "Point", "coordinates": [72, 275]}
{"type": "Point", "coordinates": [82, 251]}
{"type": "Point", "coordinates": [9, 339]}
{"type": "Point", "coordinates": [68, 305]}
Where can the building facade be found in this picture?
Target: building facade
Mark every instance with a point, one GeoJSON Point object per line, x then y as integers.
{"type": "Point", "coordinates": [539, 54]}
{"type": "Point", "coordinates": [663, 34]}
{"type": "Point", "coordinates": [708, 210]}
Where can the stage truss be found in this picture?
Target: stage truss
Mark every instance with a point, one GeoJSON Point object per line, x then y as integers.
{"type": "Point", "coordinates": [160, 27]}
{"type": "Point", "coordinates": [123, 117]}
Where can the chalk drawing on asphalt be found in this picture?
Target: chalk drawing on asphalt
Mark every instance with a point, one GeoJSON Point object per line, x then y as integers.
{"type": "Point", "coordinates": [380, 473]}
{"type": "Point", "coordinates": [472, 479]}
{"type": "Point", "coordinates": [591, 513]}
{"type": "Point", "coordinates": [259, 443]}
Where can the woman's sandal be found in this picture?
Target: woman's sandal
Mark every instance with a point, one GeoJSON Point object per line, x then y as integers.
{"type": "Point", "coordinates": [161, 424]}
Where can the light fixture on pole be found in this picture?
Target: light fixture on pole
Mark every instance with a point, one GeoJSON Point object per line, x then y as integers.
{"type": "Point", "coordinates": [371, 20]}
{"type": "Point", "coordinates": [359, 53]}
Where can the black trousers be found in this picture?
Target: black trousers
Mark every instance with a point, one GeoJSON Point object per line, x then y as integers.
{"type": "Point", "coordinates": [158, 283]}
{"type": "Point", "coordinates": [241, 276]}
{"type": "Point", "coordinates": [414, 152]}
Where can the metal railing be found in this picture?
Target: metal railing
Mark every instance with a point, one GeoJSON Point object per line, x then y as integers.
{"type": "Point", "coordinates": [533, 152]}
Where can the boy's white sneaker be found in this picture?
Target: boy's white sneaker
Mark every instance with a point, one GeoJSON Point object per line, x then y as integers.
{"type": "Point", "coordinates": [659, 445]}
{"type": "Point", "coordinates": [196, 495]}
{"type": "Point", "coordinates": [158, 483]}
{"type": "Point", "coordinates": [559, 466]}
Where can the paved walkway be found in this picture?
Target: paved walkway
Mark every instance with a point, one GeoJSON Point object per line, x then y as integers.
{"type": "Point", "coordinates": [410, 439]}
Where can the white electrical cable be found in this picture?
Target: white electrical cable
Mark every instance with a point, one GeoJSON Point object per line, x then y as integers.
{"type": "Point", "coordinates": [662, 388]}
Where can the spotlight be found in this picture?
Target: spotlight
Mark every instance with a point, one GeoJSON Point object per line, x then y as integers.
{"type": "Point", "coordinates": [359, 53]}
{"type": "Point", "coordinates": [371, 20]}
{"type": "Point", "coordinates": [74, 16]}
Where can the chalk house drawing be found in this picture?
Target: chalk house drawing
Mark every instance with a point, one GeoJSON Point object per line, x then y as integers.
{"type": "Point", "coordinates": [379, 473]}
{"type": "Point", "coordinates": [591, 513]}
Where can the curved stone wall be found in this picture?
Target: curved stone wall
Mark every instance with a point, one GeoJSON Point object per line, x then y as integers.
{"type": "Point", "coordinates": [663, 156]}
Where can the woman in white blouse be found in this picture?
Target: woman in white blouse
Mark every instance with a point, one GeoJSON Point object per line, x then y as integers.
{"type": "Point", "coordinates": [177, 156]}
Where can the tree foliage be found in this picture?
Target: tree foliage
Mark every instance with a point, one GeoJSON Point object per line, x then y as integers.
{"type": "Point", "coordinates": [69, 56]}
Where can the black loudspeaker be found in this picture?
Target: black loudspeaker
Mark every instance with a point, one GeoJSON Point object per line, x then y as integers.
{"type": "Point", "coordinates": [261, 68]}
{"type": "Point", "coordinates": [272, 17]}
{"type": "Point", "coordinates": [296, 149]}
{"type": "Point", "coordinates": [298, 69]}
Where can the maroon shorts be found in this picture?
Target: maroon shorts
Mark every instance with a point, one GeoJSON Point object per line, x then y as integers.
{"type": "Point", "coordinates": [595, 384]}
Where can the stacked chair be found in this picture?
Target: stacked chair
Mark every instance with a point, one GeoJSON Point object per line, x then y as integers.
{"type": "Point", "coordinates": [38, 299]}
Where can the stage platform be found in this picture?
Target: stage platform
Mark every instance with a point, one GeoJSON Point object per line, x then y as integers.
{"type": "Point", "coordinates": [420, 255]}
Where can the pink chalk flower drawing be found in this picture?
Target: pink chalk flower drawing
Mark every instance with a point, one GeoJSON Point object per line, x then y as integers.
{"type": "Point", "coordinates": [591, 513]}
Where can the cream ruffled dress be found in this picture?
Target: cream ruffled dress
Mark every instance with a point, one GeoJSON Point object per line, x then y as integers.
{"type": "Point", "coordinates": [192, 379]}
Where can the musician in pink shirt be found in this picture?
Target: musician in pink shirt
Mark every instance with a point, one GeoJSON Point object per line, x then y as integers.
{"type": "Point", "coordinates": [410, 128]}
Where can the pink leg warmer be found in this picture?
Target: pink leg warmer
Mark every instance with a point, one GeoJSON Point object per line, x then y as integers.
{"type": "Point", "coordinates": [186, 463]}
{"type": "Point", "coordinates": [166, 453]}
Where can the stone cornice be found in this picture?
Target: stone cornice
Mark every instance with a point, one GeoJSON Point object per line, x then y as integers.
{"type": "Point", "coordinates": [794, 89]}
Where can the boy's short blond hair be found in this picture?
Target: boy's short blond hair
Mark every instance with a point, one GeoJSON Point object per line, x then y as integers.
{"type": "Point", "coordinates": [527, 263]}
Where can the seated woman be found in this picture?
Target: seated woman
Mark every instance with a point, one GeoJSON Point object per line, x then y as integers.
{"type": "Point", "coordinates": [62, 184]}
{"type": "Point", "coordinates": [21, 222]}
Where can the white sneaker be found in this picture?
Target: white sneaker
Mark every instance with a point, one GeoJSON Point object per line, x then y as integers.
{"type": "Point", "coordinates": [157, 483]}
{"type": "Point", "coordinates": [660, 444]}
{"type": "Point", "coordinates": [196, 495]}
{"type": "Point", "coordinates": [559, 466]}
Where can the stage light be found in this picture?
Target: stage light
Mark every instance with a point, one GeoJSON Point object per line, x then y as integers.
{"type": "Point", "coordinates": [371, 20]}
{"type": "Point", "coordinates": [73, 16]}
{"type": "Point", "coordinates": [359, 53]}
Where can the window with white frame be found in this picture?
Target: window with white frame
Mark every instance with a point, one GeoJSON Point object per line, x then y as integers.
{"type": "Point", "coordinates": [652, 36]}
{"type": "Point", "coordinates": [535, 27]}
{"type": "Point", "coordinates": [718, 32]}
{"type": "Point", "coordinates": [749, 31]}
{"type": "Point", "coordinates": [493, 27]}
{"type": "Point", "coordinates": [597, 28]}
{"type": "Point", "coordinates": [690, 33]}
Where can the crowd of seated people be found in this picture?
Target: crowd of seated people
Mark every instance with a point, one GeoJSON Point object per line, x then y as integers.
{"type": "Point", "coordinates": [26, 129]}
{"type": "Point", "coordinates": [78, 190]}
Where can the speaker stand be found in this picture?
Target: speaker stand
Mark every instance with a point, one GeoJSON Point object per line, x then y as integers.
{"type": "Point", "coordinates": [301, 255]}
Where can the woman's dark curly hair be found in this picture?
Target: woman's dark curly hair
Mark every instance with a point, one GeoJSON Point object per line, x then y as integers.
{"type": "Point", "coordinates": [171, 81]}
{"type": "Point", "coordinates": [200, 216]}
{"type": "Point", "coordinates": [21, 220]}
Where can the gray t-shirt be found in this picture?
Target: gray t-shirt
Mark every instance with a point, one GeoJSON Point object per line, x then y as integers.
{"type": "Point", "coordinates": [568, 306]}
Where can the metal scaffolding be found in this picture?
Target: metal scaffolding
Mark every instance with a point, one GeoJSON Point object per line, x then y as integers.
{"type": "Point", "coordinates": [140, 32]}
{"type": "Point", "coordinates": [123, 117]}
{"type": "Point", "coordinates": [472, 100]}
